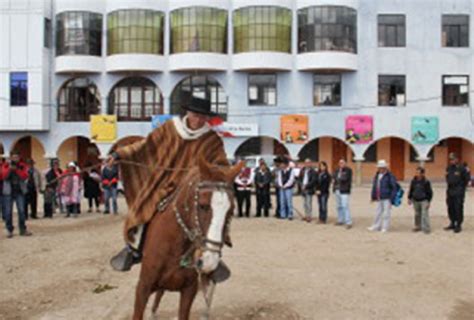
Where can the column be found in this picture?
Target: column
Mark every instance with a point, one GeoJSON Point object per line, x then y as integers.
{"type": "Point", "coordinates": [358, 171]}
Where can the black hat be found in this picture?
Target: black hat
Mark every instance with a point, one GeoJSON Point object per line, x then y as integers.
{"type": "Point", "coordinates": [197, 105]}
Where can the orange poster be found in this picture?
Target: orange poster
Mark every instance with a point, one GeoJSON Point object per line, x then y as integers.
{"type": "Point", "coordinates": [294, 129]}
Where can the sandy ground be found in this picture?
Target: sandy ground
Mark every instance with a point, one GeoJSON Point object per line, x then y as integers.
{"type": "Point", "coordinates": [281, 270]}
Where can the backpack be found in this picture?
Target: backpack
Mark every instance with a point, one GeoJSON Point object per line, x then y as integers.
{"type": "Point", "coordinates": [399, 196]}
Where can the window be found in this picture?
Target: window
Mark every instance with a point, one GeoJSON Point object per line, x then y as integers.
{"type": "Point", "coordinates": [370, 154]}
{"type": "Point", "coordinates": [262, 90]}
{"type": "Point", "coordinates": [391, 30]}
{"type": "Point", "coordinates": [18, 89]}
{"type": "Point", "coordinates": [455, 31]}
{"type": "Point", "coordinates": [78, 33]}
{"type": "Point", "coordinates": [199, 29]}
{"type": "Point", "coordinates": [203, 87]}
{"type": "Point", "coordinates": [135, 99]}
{"type": "Point", "coordinates": [78, 99]}
{"type": "Point", "coordinates": [262, 28]}
{"type": "Point", "coordinates": [391, 91]}
{"type": "Point", "coordinates": [327, 28]}
{"type": "Point", "coordinates": [47, 33]}
{"type": "Point", "coordinates": [455, 91]}
{"type": "Point", "coordinates": [327, 90]}
{"type": "Point", "coordinates": [135, 31]}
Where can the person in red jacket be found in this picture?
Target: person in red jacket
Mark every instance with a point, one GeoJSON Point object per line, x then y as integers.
{"type": "Point", "coordinates": [14, 175]}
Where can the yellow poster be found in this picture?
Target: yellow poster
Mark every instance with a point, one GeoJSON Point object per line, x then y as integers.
{"type": "Point", "coordinates": [294, 129]}
{"type": "Point", "coordinates": [103, 128]}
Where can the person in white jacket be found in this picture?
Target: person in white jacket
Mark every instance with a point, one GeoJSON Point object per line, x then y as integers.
{"type": "Point", "coordinates": [243, 185]}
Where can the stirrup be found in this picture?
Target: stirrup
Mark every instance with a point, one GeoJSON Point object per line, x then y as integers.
{"type": "Point", "coordinates": [221, 274]}
{"type": "Point", "coordinates": [124, 260]}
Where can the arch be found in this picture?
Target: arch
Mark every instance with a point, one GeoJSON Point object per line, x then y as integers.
{"type": "Point", "coordinates": [135, 99]}
{"type": "Point", "coordinates": [260, 145]}
{"type": "Point", "coordinates": [78, 149]}
{"type": "Point", "coordinates": [462, 147]}
{"type": "Point", "coordinates": [125, 141]}
{"type": "Point", "coordinates": [201, 86]}
{"type": "Point", "coordinates": [78, 99]}
{"type": "Point", "coordinates": [30, 147]}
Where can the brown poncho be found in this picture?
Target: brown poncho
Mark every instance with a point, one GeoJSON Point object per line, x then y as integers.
{"type": "Point", "coordinates": [166, 147]}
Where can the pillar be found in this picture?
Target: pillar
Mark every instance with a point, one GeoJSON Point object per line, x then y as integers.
{"type": "Point", "coordinates": [358, 171]}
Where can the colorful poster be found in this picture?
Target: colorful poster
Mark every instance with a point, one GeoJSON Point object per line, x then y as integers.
{"type": "Point", "coordinates": [424, 130]}
{"type": "Point", "coordinates": [103, 128]}
{"type": "Point", "coordinates": [294, 129]}
{"type": "Point", "coordinates": [359, 129]}
{"type": "Point", "coordinates": [159, 120]}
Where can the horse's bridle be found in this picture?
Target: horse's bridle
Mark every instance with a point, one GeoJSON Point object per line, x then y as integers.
{"type": "Point", "coordinates": [195, 234]}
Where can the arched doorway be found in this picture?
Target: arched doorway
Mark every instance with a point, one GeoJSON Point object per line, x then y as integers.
{"type": "Point", "coordinates": [78, 149]}
{"type": "Point", "coordinates": [125, 141]}
{"type": "Point", "coordinates": [29, 147]}
{"type": "Point", "coordinates": [202, 86]}
{"type": "Point", "coordinates": [78, 99]}
{"type": "Point", "coordinates": [328, 149]}
{"type": "Point", "coordinates": [260, 146]}
{"type": "Point", "coordinates": [135, 99]}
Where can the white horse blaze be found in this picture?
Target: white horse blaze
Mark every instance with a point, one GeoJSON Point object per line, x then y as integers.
{"type": "Point", "coordinates": [220, 204]}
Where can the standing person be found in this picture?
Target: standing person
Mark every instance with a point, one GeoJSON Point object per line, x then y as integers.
{"type": "Point", "coordinates": [243, 184]}
{"type": "Point", "coordinates": [286, 182]}
{"type": "Point", "coordinates": [15, 175]}
{"type": "Point", "coordinates": [33, 186]}
{"type": "Point", "coordinates": [420, 195]}
{"type": "Point", "coordinates": [309, 181]}
{"type": "Point", "coordinates": [384, 191]}
{"type": "Point", "coordinates": [263, 179]}
{"type": "Point", "coordinates": [342, 189]}
{"type": "Point", "coordinates": [275, 173]}
{"type": "Point", "coordinates": [92, 189]}
{"type": "Point", "coordinates": [457, 179]}
{"type": "Point", "coordinates": [69, 189]}
{"type": "Point", "coordinates": [2, 207]}
{"type": "Point", "coordinates": [52, 181]}
{"type": "Point", "coordinates": [322, 191]}
{"type": "Point", "coordinates": [48, 201]}
{"type": "Point", "coordinates": [110, 179]}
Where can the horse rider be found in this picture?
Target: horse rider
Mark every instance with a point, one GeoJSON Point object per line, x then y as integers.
{"type": "Point", "coordinates": [177, 144]}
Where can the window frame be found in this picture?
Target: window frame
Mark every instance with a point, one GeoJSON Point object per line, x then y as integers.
{"type": "Point", "coordinates": [15, 95]}
{"type": "Point", "coordinates": [398, 42]}
{"type": "Point", "coordinates": [339, 104]}
{"type": "Point", "coordinates": [444, 42]}
{"type": "Point", "coordinates": [274, 76]}
{"type": "Point", "coordinates": [379, 104]}
{"type": "Point", "coordinates": [442, 91]}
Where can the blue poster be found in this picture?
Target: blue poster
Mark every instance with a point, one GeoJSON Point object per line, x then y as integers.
{"type": "Point", "coordinates": [159, 120]}
{"type": "Point", "coordinates": [424, 130]}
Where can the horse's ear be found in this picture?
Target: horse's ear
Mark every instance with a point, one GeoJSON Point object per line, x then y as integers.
{"type": "Point", "coordinates": [235, 170]}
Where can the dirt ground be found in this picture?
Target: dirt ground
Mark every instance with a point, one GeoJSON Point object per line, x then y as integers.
{"type": "Point", "coordinates": [281, 270]}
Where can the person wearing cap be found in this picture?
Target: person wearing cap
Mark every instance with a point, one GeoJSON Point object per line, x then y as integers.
{"type": "Point", "coordinates": [286, 181]}
{"type": "Point", "coordinates": [384, 191]}
{"type": "Point", "coordinates": [14, 175]}
{"type": "Point", "coordinates": [457, 179]}
{"type": "Point", "coordinates": [309, 180]}
{"type": "Point", "coordinates": [342, 189]}
{"type": "Point", "coordinates": [34, 186]}
{"type": "Point", "coordinates": [179, 143]}
{"type": "Point", "coordinates": [420, 195]}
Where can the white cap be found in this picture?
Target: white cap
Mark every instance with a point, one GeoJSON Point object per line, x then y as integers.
{"type": "Point", "coordinates": [71, 164]}
{"type": "Point", "coordinates": [382, 164]}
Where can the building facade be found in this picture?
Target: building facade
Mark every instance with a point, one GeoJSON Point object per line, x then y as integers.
{"type": "Point", "coordinates": [404, 66]}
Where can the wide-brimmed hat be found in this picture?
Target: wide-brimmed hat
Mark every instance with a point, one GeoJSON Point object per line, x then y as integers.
{"type": "Point", "coordinates": [197, 105]}
{"type": "Point", "coordinates": [382, 164]}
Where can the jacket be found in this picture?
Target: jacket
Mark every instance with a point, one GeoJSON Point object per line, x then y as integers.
{"type": "Point", "coordinates": [311, 185]}
{"type": "Point", "coordinates": [6, 175]}
{"type": "Point", "coordinates": [420, 190]}
{"type": "Point", "coordinates": [262, 179]}
{"type": "Point", "coordinates": [110, 177]}
{"type": "Point", "coordinates": [52, 178]}
{"type": "Point", "coordinates": [342, 180]}
{"type": "Point", "coordinates": [388, 187]}
{"type": "Point", "coordinates": [288, 183]}
{"type": "Point", "coordinates": [34, 180]}
{"type": "Point", "coordinates": [457, 178]}
{"type": "Point", "coordinates": [244, 180]}
{"type": "Point", "coordinates": [324, 182]}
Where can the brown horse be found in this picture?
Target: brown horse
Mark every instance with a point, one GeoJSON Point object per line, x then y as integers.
{"type": "Point", "coordinates": [183, 243]}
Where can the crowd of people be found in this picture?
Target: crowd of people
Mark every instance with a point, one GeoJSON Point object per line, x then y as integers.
{"type": "Point", "coordinates": [314, 182]}
{"type": "Point", "coordinates": [21, 183]}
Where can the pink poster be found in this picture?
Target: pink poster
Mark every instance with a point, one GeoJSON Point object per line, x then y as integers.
{"type": "Point", "coordinates": [359, 129]}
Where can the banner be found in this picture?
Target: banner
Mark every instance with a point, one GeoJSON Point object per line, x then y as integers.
{"type": "Point", "coordinates": [159, 120]}
{"type": "Point", "coordinates": [424, 130]}
{"type": "Point", "coordinates": [359, 129]}
{"type": "Point", "coordinates": [294, 129]}
{"type": "Point", "coordinates": [103, 128]}
{"type": "Point", "coordinates": [229, 130]}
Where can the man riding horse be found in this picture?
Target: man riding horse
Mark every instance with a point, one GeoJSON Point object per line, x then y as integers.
{"type": "Point", "coordinates": [164, 157]}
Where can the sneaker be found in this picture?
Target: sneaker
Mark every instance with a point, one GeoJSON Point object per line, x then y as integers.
{"type": "Point", "coordinates": [373, 228]}
{"type": "Point", "coordinates": [416, 229]}
{"type": "Point", "coordinates": [450, 227]}
{"type": "Point", "coordinates": [384, 231]}
{"type": "Point", "coordinates": [339, 224]}
{"type": "Point", "coordinates": [25, 233]}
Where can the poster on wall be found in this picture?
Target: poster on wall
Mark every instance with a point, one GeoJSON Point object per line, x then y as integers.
{"type": "Point", "coordinates": [424, 130]}
{"type": "Point", "coordinates": [294, 129]}
{"type": "Point", "coordinates": [159, 120]}
{"type": "Point", "coordinates": [103, 128]}
{"type": "Point", "coordinates": [359, 129]}
{"type": "Point", "coordinates": [230, 130]}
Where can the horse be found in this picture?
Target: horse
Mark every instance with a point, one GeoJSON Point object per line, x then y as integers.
{"type": "Point", "coordinates": [183, 242]}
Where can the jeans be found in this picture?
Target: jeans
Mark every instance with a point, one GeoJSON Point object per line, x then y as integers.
{"type": "Point", "coordinates": [343, 213]}
{"type": "Point", "coordinates": [382, 215]}
{"type": "Point", "coordinates": [323, 206]}
{"type": "Point", "coordinates": [19, 199]}
{"type": "Point", "coordinates": [308, 205]}
{"type": "Point", "coordinates": [286, 203]}
{"type": "Point", "coordinates": [422, 218]}
{"type": "Point", "coordinates": [111, 193]}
